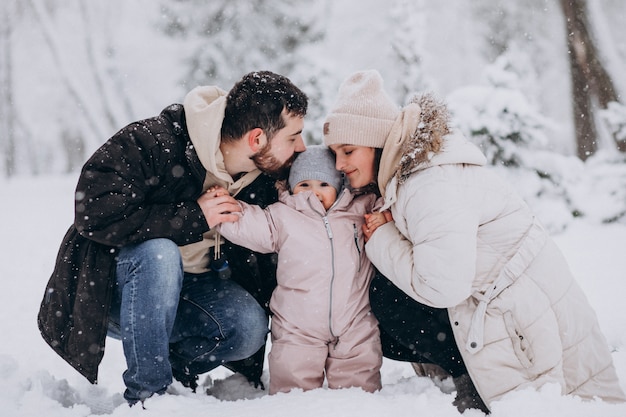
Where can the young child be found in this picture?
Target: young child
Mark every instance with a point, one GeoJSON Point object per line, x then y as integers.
{"type": "Point", "coordinates": [321, 321]}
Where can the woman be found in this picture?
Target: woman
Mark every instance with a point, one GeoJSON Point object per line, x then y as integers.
{"type": "Point", "coordinates": [492, 300]}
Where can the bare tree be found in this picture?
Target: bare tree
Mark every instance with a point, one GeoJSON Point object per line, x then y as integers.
{"type": "Point", "coordinates": [91, 115]}
{"type": "Point", "coordinates": [234, 37]}
{"type": "Point", "coordinates": [16, 138]}
{"type": "Point", "coordinates": [408, 44]}
{"type": "Point", "coordinates": [103, 112]}
{"type": "Point", "coordinates": [7, 109]}
{"type": "Point", "coordinates": [592, 87]}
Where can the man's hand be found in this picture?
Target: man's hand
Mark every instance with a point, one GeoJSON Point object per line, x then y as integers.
{"type": "Point", "coordinates": [218, 206]}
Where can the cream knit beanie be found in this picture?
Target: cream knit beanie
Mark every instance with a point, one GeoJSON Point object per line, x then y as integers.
{"type": "Point", "coordinates": [363, 113]}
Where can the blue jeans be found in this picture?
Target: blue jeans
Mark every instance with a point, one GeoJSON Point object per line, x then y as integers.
{"type": "Point", "coordinates": [169, 319]}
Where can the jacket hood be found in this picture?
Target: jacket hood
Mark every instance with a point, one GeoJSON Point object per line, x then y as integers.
{"type": "Point", "coordinates": [204, 113]}
{"type": "Point", "coordinates": [307, 201]}
{"type": "Point", "coordinates": [420, 138]}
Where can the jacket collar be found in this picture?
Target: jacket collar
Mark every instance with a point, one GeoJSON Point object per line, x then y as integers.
{"type": "Point", "coordinates": [307, 201]}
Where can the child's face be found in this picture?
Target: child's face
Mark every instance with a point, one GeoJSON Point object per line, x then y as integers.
{"type": "Point", "coordinates": [322, 190]}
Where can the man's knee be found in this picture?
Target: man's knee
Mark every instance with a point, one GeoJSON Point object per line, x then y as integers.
{"type": "Point", "coordinates": [154, 255]}
{"type": "Point", "coordinates": [155, 265]}
{"type": "Point", "coordinates": [157, 250]}
{"type": "Point", "coordinates": [250, 327]}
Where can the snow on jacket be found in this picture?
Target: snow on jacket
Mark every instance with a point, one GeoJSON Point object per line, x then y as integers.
{"type": "Point", "coordinates": [465, 241]}
{"type": "Point", "coordinates": [323, 274]}
{"type": "Point", "coordinates": [142, 184]}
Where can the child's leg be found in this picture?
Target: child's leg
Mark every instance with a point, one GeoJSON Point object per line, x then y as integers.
{"type": "Point", "coordinates": [295, 361]}
{"type": "Point", "coordinates": [356, 360]}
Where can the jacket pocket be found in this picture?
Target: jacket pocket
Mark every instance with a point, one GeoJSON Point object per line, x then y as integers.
{"type": "Point", "coordinates": [521, 347]}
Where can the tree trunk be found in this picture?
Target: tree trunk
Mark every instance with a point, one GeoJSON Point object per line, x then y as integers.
{"type": "Point", "coordinates": [7, 109]}
{"type": "Point", "coordinates": [98, 126]}
{"type": "Point", "coordinates": [592, 86]}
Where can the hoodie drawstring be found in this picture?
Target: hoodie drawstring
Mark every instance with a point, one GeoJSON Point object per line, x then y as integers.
{"type": "Point", "coordinates": [217, 247]}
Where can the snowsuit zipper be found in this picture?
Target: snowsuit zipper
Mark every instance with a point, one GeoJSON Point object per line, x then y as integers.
{"type": "Point", "coordinates": [329, 233]}
{"type": "Point", "coordinates": [356, 243]}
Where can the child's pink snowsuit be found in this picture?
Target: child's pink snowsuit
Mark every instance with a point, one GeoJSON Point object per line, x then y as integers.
{"type": "Point", "coordinates": [322, 320]}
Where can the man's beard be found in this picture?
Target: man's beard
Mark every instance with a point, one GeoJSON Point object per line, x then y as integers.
{"type": "Point", "coordinates": [265, 161]}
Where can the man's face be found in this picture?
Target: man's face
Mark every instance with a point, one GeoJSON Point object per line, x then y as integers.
{"type": "Point", "coordinates": [276, 157]}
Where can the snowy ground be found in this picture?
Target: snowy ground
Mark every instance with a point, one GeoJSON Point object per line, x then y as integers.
{"type": "Point", "coordinates": [35, 382]}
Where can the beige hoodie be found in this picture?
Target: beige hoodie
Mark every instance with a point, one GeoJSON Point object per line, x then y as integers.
{"type": "Point", "coordinates": [204, 113]}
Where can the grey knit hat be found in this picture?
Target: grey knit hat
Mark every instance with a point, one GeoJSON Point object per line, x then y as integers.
{"type": "Point", "coordinates": [363, 113]}
{"type": "Point", "coordinates": [316, 163]}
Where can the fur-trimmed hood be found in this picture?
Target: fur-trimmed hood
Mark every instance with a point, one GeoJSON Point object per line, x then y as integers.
{"type": "Point", "coordinates": [421, 137]}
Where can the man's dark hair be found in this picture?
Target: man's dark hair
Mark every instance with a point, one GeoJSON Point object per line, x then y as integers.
{"type": "Point", "coordinates": [258, 100]}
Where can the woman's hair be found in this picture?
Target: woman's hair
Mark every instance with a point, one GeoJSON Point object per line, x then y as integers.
{"type": "Point", "coordinates": [378, 153]}
{"type": "Point", "coordinates": [257, 101]}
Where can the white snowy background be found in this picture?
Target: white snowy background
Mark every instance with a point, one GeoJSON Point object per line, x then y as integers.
{"type": "Point", "coordinates": [81, 72]}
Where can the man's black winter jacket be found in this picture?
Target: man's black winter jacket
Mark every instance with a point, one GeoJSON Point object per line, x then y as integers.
{"type": "Point", "coordinates": [142, 184]}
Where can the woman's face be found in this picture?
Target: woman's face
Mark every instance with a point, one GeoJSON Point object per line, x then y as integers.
{"type": "Point", "coordinates": [357, 163]}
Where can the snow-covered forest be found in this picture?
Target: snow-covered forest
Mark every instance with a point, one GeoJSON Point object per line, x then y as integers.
{"type": "Point", "coordinates": [73, 73]}
{"type": "Point", "coordinates": [539, 85]}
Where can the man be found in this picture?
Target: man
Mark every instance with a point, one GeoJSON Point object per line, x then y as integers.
{"type": "Point", "coordinates": [141, 261]}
